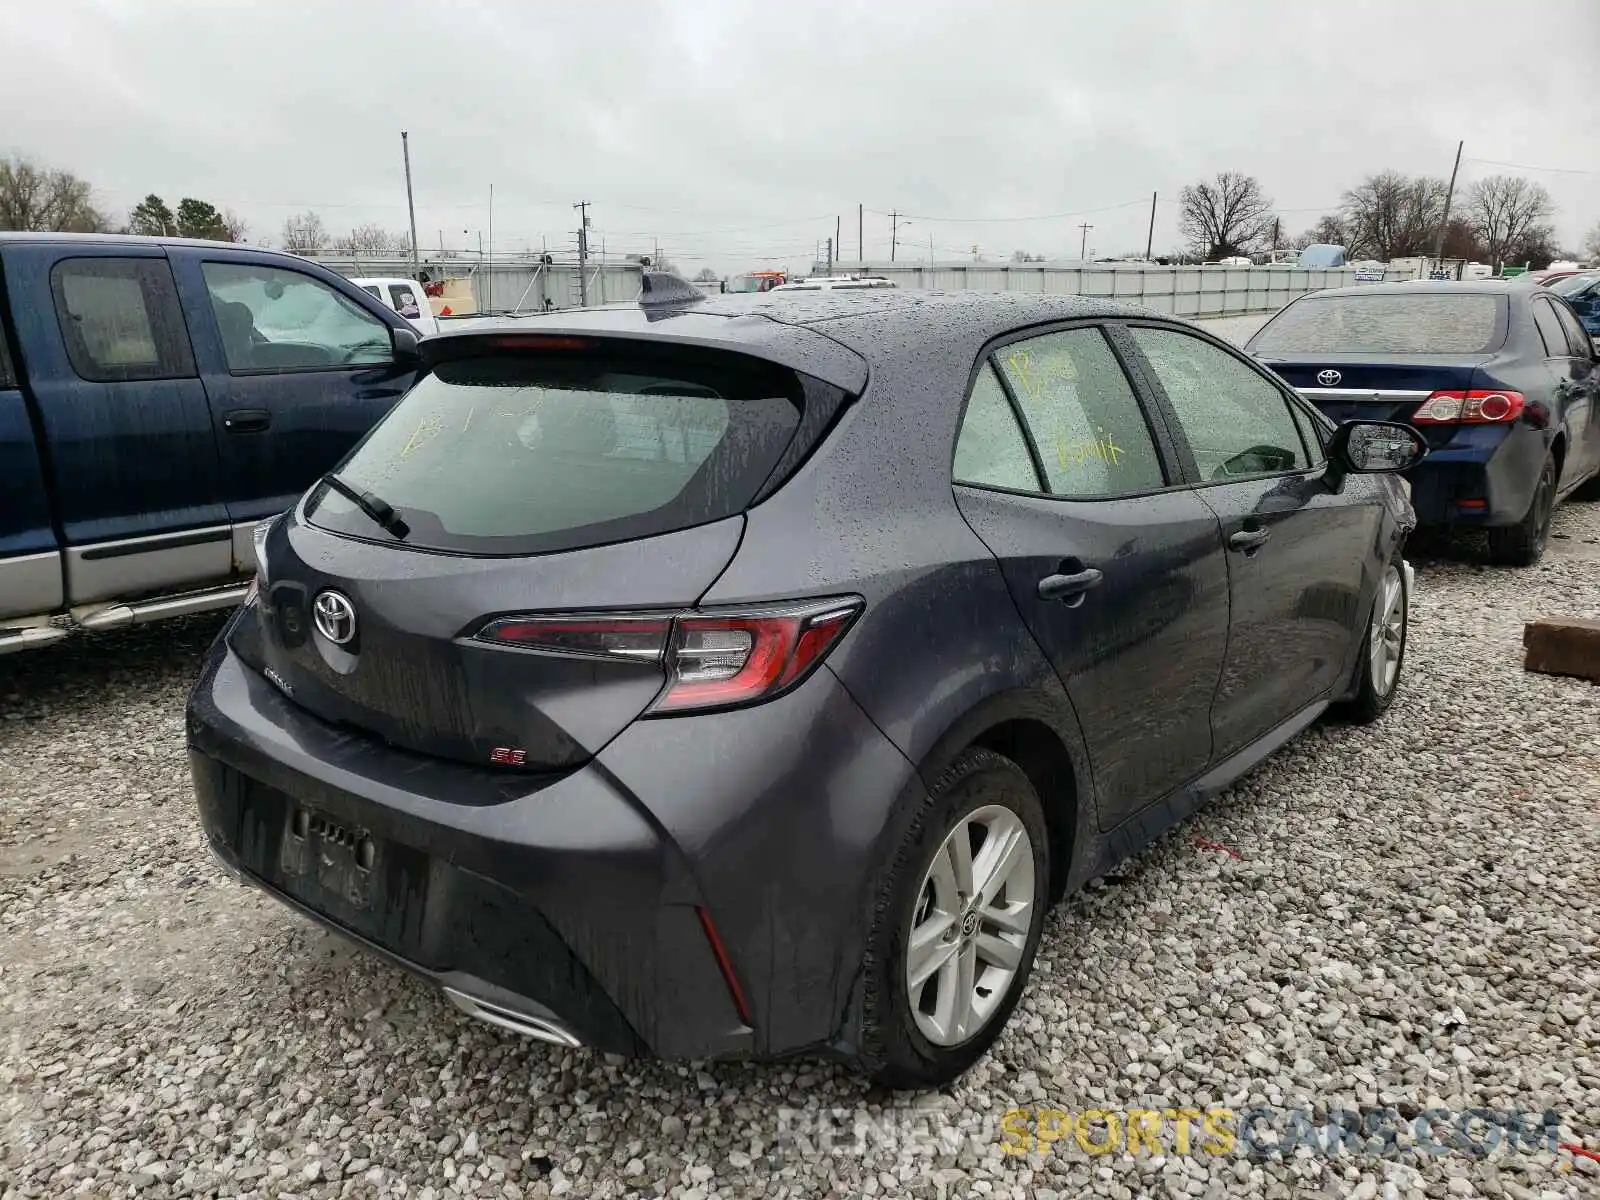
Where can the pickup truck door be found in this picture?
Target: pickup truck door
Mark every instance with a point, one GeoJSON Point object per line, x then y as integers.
{"type": "Point", "coordinates": [298, 364]}
{"type": "Point", "coordinates": [127, 458]}
{"type": "Point", "coordinates": [30, 552]}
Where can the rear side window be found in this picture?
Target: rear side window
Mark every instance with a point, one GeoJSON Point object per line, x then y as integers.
{"type": "Point", "coordinates": [405, 300]}
{"type": "Point", "coordinates": [539, 452]}
{"type": "Point", "coordinates": [1085, 420]}
{"type": "Point", "coordinates": [1397, 323]}
{"type": "Point", "coordinates": [991, 451]}
{"type": "Point", "coordinates": [8, 375]}
{"type": "Point", "coordinates": [120, 319]}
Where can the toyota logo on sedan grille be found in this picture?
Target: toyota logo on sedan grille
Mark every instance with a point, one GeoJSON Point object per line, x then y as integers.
{"type": "Point", "coordinates": [335, 618]}
{"type": "Point", "coordinates": [1329, 378]}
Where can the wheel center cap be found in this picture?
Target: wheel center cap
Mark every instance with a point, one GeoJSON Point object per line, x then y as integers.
{"type": "Point", "coordinates": [969, 923]}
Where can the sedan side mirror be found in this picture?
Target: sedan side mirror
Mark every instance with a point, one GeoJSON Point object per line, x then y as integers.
{"type": "Point", "coordinates": [405, 345]}
{"type": "Point", "coordinates": [1372, 448]}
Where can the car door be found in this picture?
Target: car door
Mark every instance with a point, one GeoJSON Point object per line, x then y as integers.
{"type": "Point", "coordinates": [296, 367]}
{"type": "Point", "coordinates": [1580, 380]}
{"type": "Point", "coordinates": [128, 453]}
{"type": "Point", "coordinates": [1114, 565]}
{"type": "Point", "coordinates": [1297, 551]}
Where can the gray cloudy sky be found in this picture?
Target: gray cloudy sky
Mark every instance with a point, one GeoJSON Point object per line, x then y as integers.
{"type": "Point", "coordinates": [735, 131]}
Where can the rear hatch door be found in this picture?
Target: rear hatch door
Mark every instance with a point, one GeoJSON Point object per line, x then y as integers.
{"type": "Point", "coordinates": [586, 479]}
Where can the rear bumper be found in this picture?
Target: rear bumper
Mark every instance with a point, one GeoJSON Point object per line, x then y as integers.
{"type": "Point", "coordinates": [577, 900]}
{"type": "Point", "coordinates": [1485, 476]}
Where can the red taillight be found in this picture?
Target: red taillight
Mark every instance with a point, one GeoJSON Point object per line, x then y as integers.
{"type": "Point", "coordinates": [718, 661]}
{"type": "Point", "coordinates": [1479, 407]}
{"type": "Point", "coordinates": [712, 659]}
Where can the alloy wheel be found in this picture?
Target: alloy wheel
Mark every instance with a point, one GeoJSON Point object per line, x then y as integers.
{"type": "Point", "coordinates": [970, 925]}
{"type": "Point", "coordinates": [1388, 637]}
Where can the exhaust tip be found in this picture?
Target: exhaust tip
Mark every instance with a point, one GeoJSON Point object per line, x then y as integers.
{"type": "Point", "coordinates": [541, 1029]}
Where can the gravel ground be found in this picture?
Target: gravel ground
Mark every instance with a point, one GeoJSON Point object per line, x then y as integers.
{"type": "Point", "coordinates": [1398, 916]}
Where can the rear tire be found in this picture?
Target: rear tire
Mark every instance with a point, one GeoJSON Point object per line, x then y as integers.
{"type": "Point", "coordinates": [1522, 544]}
{"type": "Point", "coordinates": [925, 1020]}
{"type": "Point", "coordinates": [1383, 649]}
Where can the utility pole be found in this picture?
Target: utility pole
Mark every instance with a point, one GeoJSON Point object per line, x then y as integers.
{"type": "Point", "coordinates": [1150, 238]}
{"type": "Point", "coordinates": [583, 252]}
{"type": "Point", "coordinates": [411, 207]}
{"type": "Point", "coordinates": [830, 256]}
{"type": "Point", "coordinates": [861, 244]}
{"type": "Point", "coordinates": [894, 232]}
{"type": "Point", "coordinates": [1083, 242]}
{"type": "Point", "coordinates": [488, 279]}
{"type": "Point", "coordinates": [838, 243]}
{"type": "Point", "coordinates": [1444, 221]}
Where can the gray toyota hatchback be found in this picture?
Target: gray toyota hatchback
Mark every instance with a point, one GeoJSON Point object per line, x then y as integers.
{"type": "Point", "coordinates": [746, 676]}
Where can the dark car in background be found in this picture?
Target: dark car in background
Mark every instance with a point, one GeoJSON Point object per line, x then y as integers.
{"type": "Point", "coordinates": [1582, 290]}
{"type": "Point", "coordinates": [745, 677]}
{"type": "Point", "coordinates": [1500, 378]}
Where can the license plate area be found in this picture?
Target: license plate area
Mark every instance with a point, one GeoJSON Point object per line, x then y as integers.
{"type": "Point", "coordinates": [319, 854]}
{"type": "Point", "coordinates": [342, 869]}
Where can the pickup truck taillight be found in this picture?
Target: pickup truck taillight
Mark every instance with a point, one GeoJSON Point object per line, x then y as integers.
{"type": "Point", "coordinates": [713, 659]}
{"type": "Point", "coordinates": [1495, 407]}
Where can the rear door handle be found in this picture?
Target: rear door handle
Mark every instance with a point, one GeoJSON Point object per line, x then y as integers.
{"type": "Point", "coordinates": [1248, 540]}
{"type": "Point", "coordinates": [246, 420]}
{"type": "Point", "coordinates": [1069, 587]}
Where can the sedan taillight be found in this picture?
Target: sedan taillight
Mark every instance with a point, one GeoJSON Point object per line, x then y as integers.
{"type": "Point", "coordinates": [1495, 407]}
{"type": "Point", "coordinates": [712, 658]}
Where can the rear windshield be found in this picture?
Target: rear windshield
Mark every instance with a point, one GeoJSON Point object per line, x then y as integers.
{"type": "Point", "coordinates": [533, 453]}
{"type": "Point", "coordinates": [1368, 323]}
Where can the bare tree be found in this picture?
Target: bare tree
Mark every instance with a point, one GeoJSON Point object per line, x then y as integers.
{"type": "Point", "coordinates": [705, 275]}
{"type": "Point", "coordinates": [372, 238]}
{"type": "Point", "coordinates": [1591, 242]}
{"type": "Point", "coordinates": [1224, 216]}
{"type": "Point", "coordinates": [1392, 215]}
{"type": "Point", "coordinates": [304, 233]}
{"type": "Point", "coordinates": [36, 198]}
{"type": "Point", "coordinates": [1328, 231]}
{"type": "Point", "coordinates": [1507, 210]}
{"type": "Point", "coordinates": [234, 226]}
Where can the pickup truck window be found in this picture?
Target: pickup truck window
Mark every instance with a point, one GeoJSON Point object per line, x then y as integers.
{"type": "Point", "coordinates": [120, 319]}
{"type": "Point", "coordinates": [271, 319]}
{"type": "Point", "coordinates": [8, 378]}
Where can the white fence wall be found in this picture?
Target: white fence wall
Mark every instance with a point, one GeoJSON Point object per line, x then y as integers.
{"type": "Point", "coordinates": [516, 284]}
{"type": "Point", "coordinates": [1184, 291]}
{"type": "Point", "coordinates": [524, 285]}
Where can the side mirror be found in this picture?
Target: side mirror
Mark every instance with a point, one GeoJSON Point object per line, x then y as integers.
{"type": "Point", "coordinates": [405, 345]}
{"type": "Point", "coordinates": [1373, 448]}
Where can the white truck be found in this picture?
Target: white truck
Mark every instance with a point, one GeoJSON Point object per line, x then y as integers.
{"type": "Point", "coordinates": [406, 297]}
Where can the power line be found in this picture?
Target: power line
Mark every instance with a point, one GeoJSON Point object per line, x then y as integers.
{"type": "Point", "coordinates": [1489, 162]}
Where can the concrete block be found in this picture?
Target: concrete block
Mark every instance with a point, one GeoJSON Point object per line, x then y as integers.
{"type": "Point", "coordinates": [1563, 646]}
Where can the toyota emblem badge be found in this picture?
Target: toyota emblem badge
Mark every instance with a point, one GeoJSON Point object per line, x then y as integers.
{"type": "Point", "coordinates": [335, 618]}
{"type": "Point", "coordinates": [1329, 378]}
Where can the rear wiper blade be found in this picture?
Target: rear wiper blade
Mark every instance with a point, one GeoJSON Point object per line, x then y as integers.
{"type": "Point", "coordinates": [378, 509]}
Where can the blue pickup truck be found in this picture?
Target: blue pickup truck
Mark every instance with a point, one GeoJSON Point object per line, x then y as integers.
{"type": "Point", "coordinates": [158, 399]}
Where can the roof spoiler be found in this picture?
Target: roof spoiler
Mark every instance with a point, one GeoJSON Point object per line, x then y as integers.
{"type": "Point", "coordinates": [661, 289]}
